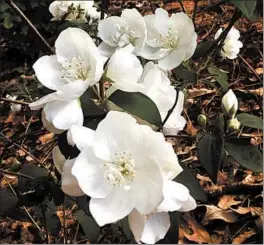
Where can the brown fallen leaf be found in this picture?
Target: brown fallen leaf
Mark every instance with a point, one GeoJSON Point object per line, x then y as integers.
{"type": "Point", "coordinates": [193, 93]}
{"type": "Point", "coordinates": [46, 138]}
{"type": "Point", "coordinates": [227, 201]}
{"type": "Point", "coordinates": [244, 236]}
{"type": "Point", "coordinates": [255, 211]}
{"type": "Point", "coordinates": [259, 70]}
{"type": "Point", "coordinates": [198, 233]}
{"type": "Point", "coordinates": [213, 213]}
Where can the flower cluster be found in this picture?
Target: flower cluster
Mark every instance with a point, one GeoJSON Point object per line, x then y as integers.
{"type": "Point", "coordinates": [125, 166]}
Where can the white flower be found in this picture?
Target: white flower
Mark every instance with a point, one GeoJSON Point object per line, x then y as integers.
{"type": "Point", "coordinates": [13, 106]}
{"type": "Point", "coordinates": [76, 65]}
{"type": "Point", "coordinates": [153, 82]}
{"type": "Point", "coordinates": [73, 10]}
{"type": "Point", "coordinates": [171, 40]}
{"type": "Point", "coordinates": [120, 166]}
{"type": "Point", "coordinates": [232, 45]}
{"type": "Point", "coordinates": [69, 184]}
{"type": "Point", "coordinates": [229, 104]}
{"type": "Point", "coordinates": [128, 31]}
{"type": "Point", "coordinates": [152, 227]}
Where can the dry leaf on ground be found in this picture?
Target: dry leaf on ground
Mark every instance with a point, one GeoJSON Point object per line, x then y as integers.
{"type": "Point", "coordinates": [227, 201]}
{"type": "Point", "coordinates": [198, 233]}
{"type": "Point", "coordinates": [213, 213]}
{"type": "Point", "coordinates": [244, 236]}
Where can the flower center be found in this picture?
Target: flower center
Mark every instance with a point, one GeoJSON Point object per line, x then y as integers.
{"type": "Point", "coordinates": [125, 36]}
{"type": "Point", "coordinates": [121, 170]}
{"type": "Point", "coordinates": [169, 40]}
{"type": "Point", "coordinates": [74, 69]}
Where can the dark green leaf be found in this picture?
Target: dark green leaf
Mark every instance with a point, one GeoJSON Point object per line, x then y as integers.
{"type": "Point", "coordinates": [248, 156]}
{"type": "Point", "coordinates": [56, 193]}
{"type": "Point", "coordinates": [183, 73]}
{"type": "Point", "coordinates": [220, 76]}
{"type": "Point", "coordinates": [250, 121]}
{"type": "Point", "coordinates": [247, 7]}
{"type": "Point", "coordinates": [126, 229]}
{"type": "Point", "coordinates": [83, 203]}
{"type": "Point", "coordinates": [187, 178]}
{"type": "Point", "coordinates": [53, 224]}
{"type": "Point", "coordinates": [68, 151]}
{"type": "Point", "coordinates": [17, 214]}
{"type": "Point", "coordinates": [202, 49]}
{"type": "Point", "coordinates": [136, 104]}
{"type": "Point", "coordinates": [89, 226]}
{"type": "Point", "coordinates": [210, 151]}
{"type": "Point", "coordinates": [8, 200]}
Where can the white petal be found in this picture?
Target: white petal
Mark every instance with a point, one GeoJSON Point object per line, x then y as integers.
{"type": "Point", "coordinates": [218, 33]}
{"type": "Point", "coordinates": [175, 195]}
{"type": "Point", "coordinates": [81, 136]}
{"type": "Point", "coordinates": [188, 205]}
{"type": "Point", "coordinates": [69, 184]}
{"type": "Point", "coordinates": [48, 72]}
{"type": "Point", "coordinates": [117, 205]}
{"type": "Point", "coordinates": [172, 60]}
{"type": "Point", "coordinates": [137, 24]}
{"type": "Point", "coordinates": [151, 53]}
{"type": "Point", "coordinates": [137, 223]}
{"type": "Point", "coordinates": [58, 159]}
{"type": "Point", "coordinates": [48, 125]}
{"type": "Point", "coordinates": [89, 172]}
{"type": "Point", "coordinates": [64, 114]}
{"type": "Point", "coordinates": [43, 101]}
{"type": "Point", "coordinates": [233, 34]}
{"type": "Point", "coordinates": [106, 50]}
{"type": "Point", "coordinates": [156, 227]}
{"type": "Point", "coordinates": [109, 30]}
{"type": "Point", "coordinates": [113, 134]}
{"type": "Point", "coordinates": [124, 73]}
{"type": "Point", "coordinates": [15, 107]}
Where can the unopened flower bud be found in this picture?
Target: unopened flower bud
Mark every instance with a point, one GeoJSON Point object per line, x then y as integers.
{"type": "Point", "coordinates": [233, 124]}
{"type": "Point", "coordinates": [202, 120]}
{"type": "Point", "coordinates": [229, 104]}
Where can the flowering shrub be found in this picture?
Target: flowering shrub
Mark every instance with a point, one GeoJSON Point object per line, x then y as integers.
{"type": "Point", "coordinates": [114, 103]}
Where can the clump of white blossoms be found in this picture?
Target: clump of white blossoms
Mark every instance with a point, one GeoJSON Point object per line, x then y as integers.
{"type": "Point", "coordinates": [119, 164]}
{"type": "Point", "coordinates": [232, 45]}
{"type": "Point", "coordinates": [76, 66]}
{"type": "Point", "coordinates": [152, 81]}
{"type": "Point", "coordinates": [127, 31]}
{"type": "Point", "coordinates": [170, 40]}
{"type": "Point", "coordinates": [229, 104]}
{"type": "Point", "coordinates": [73, 10]}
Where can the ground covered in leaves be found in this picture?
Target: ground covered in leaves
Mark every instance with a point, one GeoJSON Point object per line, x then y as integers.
{"type": "Point", "coordinates": [233, 212]}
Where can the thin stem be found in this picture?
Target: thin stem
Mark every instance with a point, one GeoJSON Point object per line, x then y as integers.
{"type": "Point", "coordinates": [151, 6]}
{"type": "Point", "coordinates": [172, 108]}
{"type": "Point", "coordinates": [97, 94]}
{"type": "Point", "coordinates": [195, 12]}
{"type": "Point", "coordinates": [21, 14]}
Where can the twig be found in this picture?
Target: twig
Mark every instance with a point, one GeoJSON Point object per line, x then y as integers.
{"type": "Point", "coordinates": [45, 223]}
{"type": "Point", "coordinates": [21, 14]}
{"type": "Point", "coordinates": [16, 174]}
{"type": "Point", "coordinates": [14, 101]}
{"type": "Point", "coordinates": [29, 215]}
{"type": "Point", "coordinates": [250, 67]}
{"type": "Point", "coordinates": [151, 6]}
{"type": "Point", "coordinates": [194, 12]}
{"type": "Point", "coordinates": [76, 233]}
{"type": "Point", "coordinates": [172, 108]}
{"type": "Point", "coordinates": [182, 6]}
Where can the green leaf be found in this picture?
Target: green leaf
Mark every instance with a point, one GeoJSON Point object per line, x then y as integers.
{"type": "Point", "coordinates": [8, 21]}
{"type": "Point", "coordinates": [187, 178]}
{"type": "Point", "coordinates": [53, 224]}
{"type": "Point", "coordinates": [247, 155]}
{"type": "Point", "coordinates": [220, 76]}
{"type": "Point", "coordinates": [210, 151]}
{"type": "Point", "coordinates": [89, 226]}
{"type": "Point", "coordinates": [183, 73]}
{"type": "Point", "coordinates": [8, 200]}
{"type": "Point", "coordinates": [247, 7]}
{"type": "Point", "coordinates": [250, 121]}
{"type": "Point", "coordinates": [202, 49]}
{"type": "Point", "coordinates": [137, 104]}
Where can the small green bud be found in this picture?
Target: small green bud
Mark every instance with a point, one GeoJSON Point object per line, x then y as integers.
{"type": "Point", "coordinates": [233, 124]}
{"type": "Point", "coordinates": [202, 120]}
